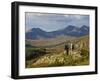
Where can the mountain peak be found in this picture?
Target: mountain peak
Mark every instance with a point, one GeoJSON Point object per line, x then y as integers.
{"type": "Point", "coordinates": [35, 29]}
{"type": "Point", "coordinates": [84, 27]}
{"type": "Point", "coordinates": [70, 28]}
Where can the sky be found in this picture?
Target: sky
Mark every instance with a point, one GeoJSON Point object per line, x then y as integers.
{"type": "Point", "coordinates": [52, 22]}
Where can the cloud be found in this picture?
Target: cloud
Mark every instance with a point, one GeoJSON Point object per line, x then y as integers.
{"type": "Point", "coordinates": [52, 22]}
{"type": "Point", "coordinates": [78, 17]}
{"type": "Point", "coordinates": [66, 15]}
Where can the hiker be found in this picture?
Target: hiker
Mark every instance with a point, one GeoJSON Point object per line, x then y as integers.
{"type": "Point", "coordinates": [67, 49]}
{"type": "Point", "coordinates": [73, 47]}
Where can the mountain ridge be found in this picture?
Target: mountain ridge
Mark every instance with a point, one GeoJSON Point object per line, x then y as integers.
{"type": "Point", "coordinates": [73, 31]}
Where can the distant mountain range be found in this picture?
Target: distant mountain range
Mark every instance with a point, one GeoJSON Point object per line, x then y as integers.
{"type": "Point", "coordinates": [73, 31]}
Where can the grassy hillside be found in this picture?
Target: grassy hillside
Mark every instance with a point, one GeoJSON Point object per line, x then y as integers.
{"type": "Point", "coordinates": [51, 41]}
{"type": "Point", "coordinates": [55, 55]}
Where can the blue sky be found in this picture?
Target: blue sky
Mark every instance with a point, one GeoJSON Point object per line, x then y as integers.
{"type": "Point", "coordinates": [51, 22]}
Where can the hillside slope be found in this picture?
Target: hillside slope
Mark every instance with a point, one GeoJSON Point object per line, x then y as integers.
{"type": "Point", "coordinates": [56, 56]}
